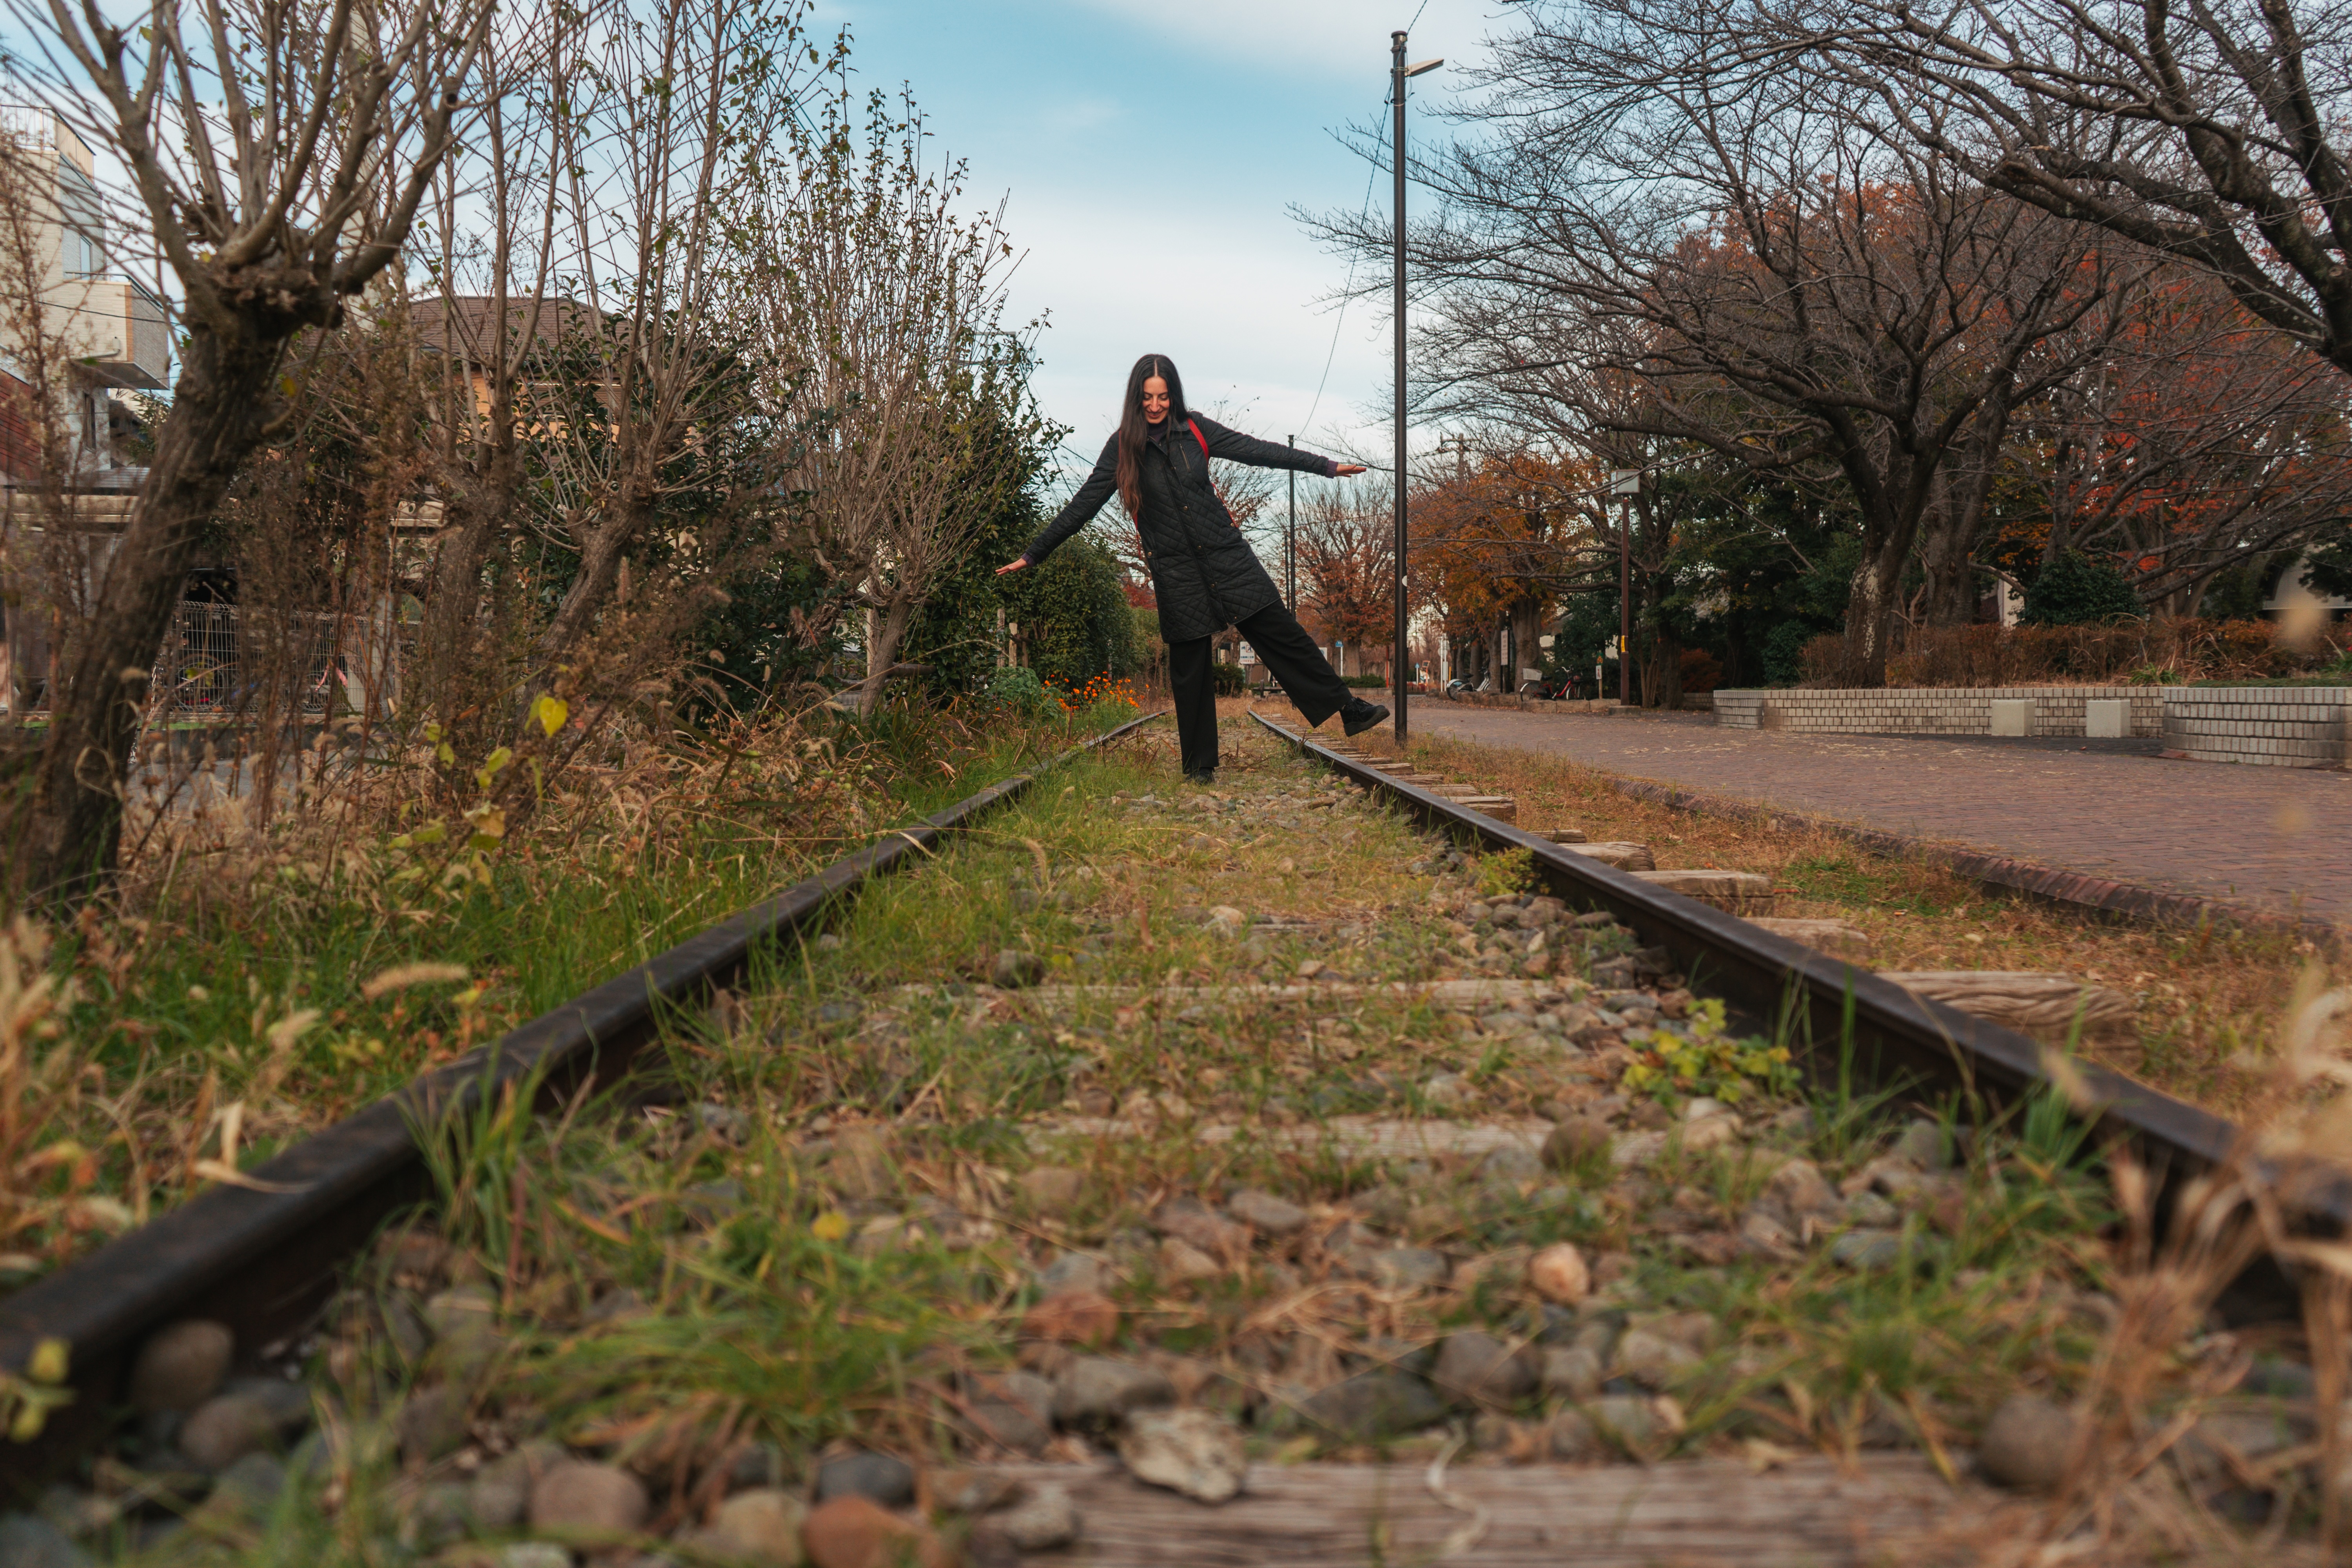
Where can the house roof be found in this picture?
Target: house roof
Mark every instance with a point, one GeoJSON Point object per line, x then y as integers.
{"type": "Point", "coordinates": [470, 320]}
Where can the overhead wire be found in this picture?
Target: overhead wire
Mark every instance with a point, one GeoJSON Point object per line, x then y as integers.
{"type": "Point", "coordinates": [1340, 320]}
{"type": "Point", "coordinates": [1363, 211]}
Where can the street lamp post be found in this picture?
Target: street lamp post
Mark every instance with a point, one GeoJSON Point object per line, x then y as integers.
{"type": "Point", "coordinates": [1625, 483]}
{"type": "Point", "coordinates": [1290, 541]}
{"type": "Point", "coordinates": [1400, 73]}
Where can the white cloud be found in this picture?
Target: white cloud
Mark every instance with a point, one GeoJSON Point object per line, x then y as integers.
{"type": "Point", "coordinates": [1345, 38]}
{"type": "Point", "coordinates": [1233, 303]}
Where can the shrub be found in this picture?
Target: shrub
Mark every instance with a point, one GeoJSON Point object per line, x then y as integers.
{"type": "Point", "coordinates": [1230, 680]}
{"type": "Point", "coordinates": [1073, 617]}
{"type": "Point", "coordinates": [1819, 660]}
{"type": "Point", "coordinates": [2150, 652]}
{"type": "Point", "coordinates": [1018, 689]}
{"type": "Point", "coordinates": [1701, 672]}
{"type": "Point", "coordinates": [2074, 591]}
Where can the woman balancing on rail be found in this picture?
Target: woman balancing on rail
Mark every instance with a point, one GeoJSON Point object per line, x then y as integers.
{"type": "Point", "coordinates": [1203, 570]}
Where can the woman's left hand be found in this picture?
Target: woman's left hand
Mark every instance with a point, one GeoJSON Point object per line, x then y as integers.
{"type": "Point", "coordinates": [1343, 470]}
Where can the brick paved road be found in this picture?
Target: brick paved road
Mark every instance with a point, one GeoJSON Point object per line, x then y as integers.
{"type": "Point", "coordinates": [2279, 838]}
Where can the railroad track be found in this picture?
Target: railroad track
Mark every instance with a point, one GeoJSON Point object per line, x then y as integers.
{"type": "Point", "coordinates": [259, 1259]}
{"type": "Point", "coordinates": [1420, 1201]}
{"type": "Point", "coordinates": [1777, 970]}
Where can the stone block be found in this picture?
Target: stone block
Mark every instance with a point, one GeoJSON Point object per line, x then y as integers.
{"type": "Point", "coordinates": [2107, 719]}
{"type": "Point", "coordinates": [2011, 716]}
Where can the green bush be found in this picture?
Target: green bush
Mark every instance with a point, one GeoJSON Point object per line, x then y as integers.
{"type": "Point", "coordinates": [1075, 619]}
{"type": "Point", "coordinates": [1229, 679]}
{"type": "Point", "coordinates": [1368, 682]}
{"type": "Point", "coordinates": [2076, 591]}
{"type": "Point", "coordinates": [1019, 689]}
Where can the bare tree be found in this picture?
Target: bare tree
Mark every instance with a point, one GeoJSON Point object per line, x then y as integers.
{"type": "Point", "coordinates": [880, 308]}
{"type": "Point", "coordinates": [489, 318]}
{"type": "Point", "coordinates": [278, 153]}
{"type": "Point", "coordinates": [2214, 133]}
{"type": "Point", "coordinates": [665, 164]}
{"type": "Point", "coordinates": [1662, 249]}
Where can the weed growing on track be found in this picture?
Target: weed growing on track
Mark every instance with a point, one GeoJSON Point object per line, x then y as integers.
{"type": "Point", "coordinates": [245, 995]}
{"type": "Point", "coordinates": [2209, 1000]}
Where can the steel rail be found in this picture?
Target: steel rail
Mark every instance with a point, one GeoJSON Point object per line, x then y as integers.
{"type": "Point", "coordinates": [260, 1259]}
{"type": "Point", "coordinates": [1887, 1034]}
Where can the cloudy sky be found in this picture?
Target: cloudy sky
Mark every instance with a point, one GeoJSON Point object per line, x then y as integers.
{"type": "Point", "coordinates": [1149, 151]}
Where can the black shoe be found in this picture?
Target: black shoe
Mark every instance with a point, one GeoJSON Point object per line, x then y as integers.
{"type": "Point", "coordinates": [1205, 780]}
{"type": "Point", "coordinates": [1359, 715]}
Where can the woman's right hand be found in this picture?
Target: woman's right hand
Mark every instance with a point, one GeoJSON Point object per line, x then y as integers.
{"type": "Point", "coordinates": [1012, 566]}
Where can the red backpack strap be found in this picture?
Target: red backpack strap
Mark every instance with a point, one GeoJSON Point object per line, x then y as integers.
{"type": "Point", "coordinates": [1198, 436]}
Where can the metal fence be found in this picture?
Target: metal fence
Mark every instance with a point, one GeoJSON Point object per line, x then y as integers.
{"type": "Point", "coordinates": [225, 659]}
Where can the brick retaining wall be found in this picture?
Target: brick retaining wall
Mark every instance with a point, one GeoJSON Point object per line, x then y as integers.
{"type": "Point", "coordinates": [1934, 710]}
{"type": "Point", "coordinates": [2272, 726]}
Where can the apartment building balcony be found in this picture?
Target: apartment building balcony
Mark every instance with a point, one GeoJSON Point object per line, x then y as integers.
{"type": "Point", "coordinates": [116, 328]}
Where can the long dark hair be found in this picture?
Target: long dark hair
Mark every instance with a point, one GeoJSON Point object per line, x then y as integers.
{"type": "Point", "coordinates": [1134, 431]}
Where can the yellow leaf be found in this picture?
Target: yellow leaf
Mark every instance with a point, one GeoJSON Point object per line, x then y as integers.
{"type": "Point", "coordinates": [27, 1424]}
{"type": "Point", "coordinates": [50, 1360]}
{"type": "Point", "coordinates": [491, 765]}
{"type": "Point", "coordinates": [830, 1227]}
{"type": "Point", "coordinates": [551, 713]}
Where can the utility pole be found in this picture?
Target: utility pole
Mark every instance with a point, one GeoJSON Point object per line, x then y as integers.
{"type": "Point", "coordinates": [1627, 483]}
{"type": "Point", "coordinates": [1290, 541]}
{"type": "Point", "coordinates": [1399, 74]}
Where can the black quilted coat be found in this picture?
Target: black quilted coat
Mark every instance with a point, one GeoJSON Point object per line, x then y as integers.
{"type": "Point", "coordinates": [1204, 573]}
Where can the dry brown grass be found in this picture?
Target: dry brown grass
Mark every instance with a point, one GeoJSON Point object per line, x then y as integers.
{"type": "Point", "coordinates": [2210, 1000]}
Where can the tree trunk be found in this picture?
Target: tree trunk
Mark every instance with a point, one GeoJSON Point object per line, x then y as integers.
{"type": "Point", "coordinates": [888, 630]}
{"type": "Point", "coordinates": [600, 569]}
{"type": "Point", "coordinates": [220, 411]}
{"type": "Point", "coordinates": [1869, 617]}
{"type": "Point", "coordinates": [1945, 554]}
{"type": "Point", "coordinates": [479, 508]}
{"type": "Point", "coordinates": [1662, 671]}
{"type": "Point", "coordinates": [1527, 626]}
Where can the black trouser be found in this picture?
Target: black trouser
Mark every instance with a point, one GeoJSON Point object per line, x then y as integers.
{"type": "Point", "coordinates": [1313, 687]}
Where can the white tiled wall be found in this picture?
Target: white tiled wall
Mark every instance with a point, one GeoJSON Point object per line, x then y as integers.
{"type": "Point", "coordinates": [1932, 710]}
{"type": "Point", "coordinates": [2272, 726]}
{"type": "Point", "coordinates": [2277, 726]}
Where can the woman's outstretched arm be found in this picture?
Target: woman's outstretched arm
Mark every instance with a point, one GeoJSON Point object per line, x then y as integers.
{"type": "Point", "coordinates": [1098, 489]}
{"type": "Point", "coordinates": [1236, 447]}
